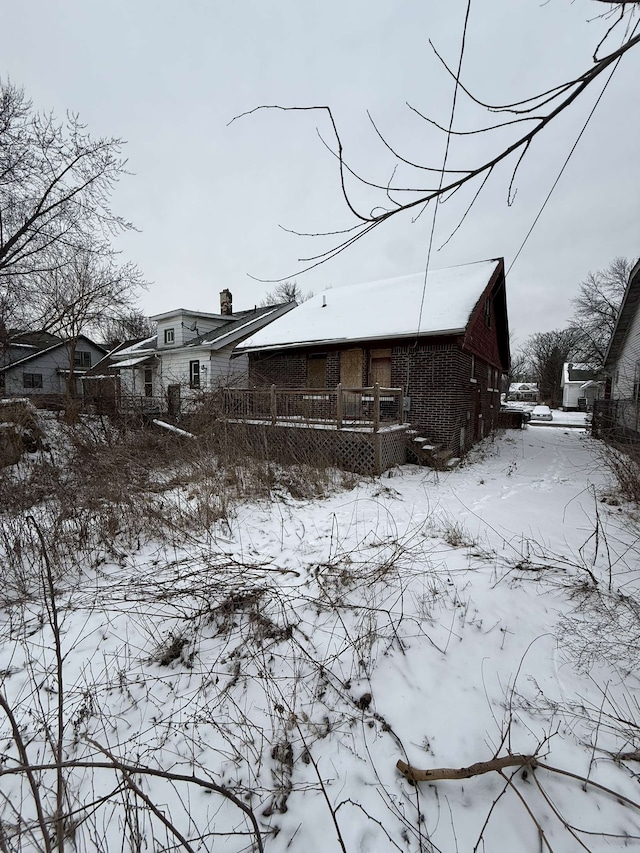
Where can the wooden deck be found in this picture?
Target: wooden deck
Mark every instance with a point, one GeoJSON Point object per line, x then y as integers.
{"type": "Point", "coordinates": [369, 409]}
{"type": "Point", "coordinates": [357, 429]}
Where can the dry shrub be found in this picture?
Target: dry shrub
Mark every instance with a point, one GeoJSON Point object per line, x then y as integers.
{"type": "Point", "coordinates": [623, 460]}
{"type": "Point", "coordinates": [105, 488]}
{"type": "Point", "coordinates": [20, 430]}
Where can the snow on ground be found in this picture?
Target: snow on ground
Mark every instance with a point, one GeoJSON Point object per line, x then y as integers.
{"type": "Point", "coordinates": [302, 649]}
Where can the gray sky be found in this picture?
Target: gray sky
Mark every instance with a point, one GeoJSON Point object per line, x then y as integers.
{"type": "Point", "coordinates": [209, 198]}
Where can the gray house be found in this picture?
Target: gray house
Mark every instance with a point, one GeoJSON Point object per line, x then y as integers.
{"type": "Point", "coordinates": [37, 364]}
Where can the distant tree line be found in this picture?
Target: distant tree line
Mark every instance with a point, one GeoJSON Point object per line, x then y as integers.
{"type": "Point", "coordinates": [586, 338]}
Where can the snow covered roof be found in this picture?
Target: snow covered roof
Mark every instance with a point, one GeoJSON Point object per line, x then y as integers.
{"type": "Point", "coordinates": [131, 362]}
{"type": "Point", "coordinates": [573, 372]}
{"type": "Point", "coordinates": [239, 326]}
{"type": "Point", "coordinates": [522, 386]}
{"type": "Point", "coordinates": [58, 342]}
{"type": "Point", "coordinates": [382, 309]}
{"type": "Point", "coordinates": [146, 345]}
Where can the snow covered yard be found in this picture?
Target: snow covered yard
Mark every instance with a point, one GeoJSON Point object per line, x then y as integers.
{"type": "Point", "coordinates": [264, 672]}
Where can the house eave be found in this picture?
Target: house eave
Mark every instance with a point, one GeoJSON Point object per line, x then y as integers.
{"type": "Point", "coordinates": [336, 341]}
{"type": "Point", "coordinates": [178, 312]}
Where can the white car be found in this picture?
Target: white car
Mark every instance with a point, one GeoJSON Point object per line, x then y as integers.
{"type": "Point", "coordinates": [541, 413]}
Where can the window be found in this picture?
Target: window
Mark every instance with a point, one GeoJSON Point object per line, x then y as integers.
{"type": "Point", "coordinates": [473, 368]}
{"type": "Point", "coordinates": [169, 336]}
{"type": "Point", "coordinates": [487, 313]}
{"type": "Point", "coordinates": [380, 367]}
{"type": "Point", "coordinates": [148, 382]}
{"type": "Point", "coordinates": [32, 380]}
{"type": "Point", "coordinates": [194, 374]}
{"type": "Point", "coordinates": [317, 370]}
{"type": "Point", "coordinates": [82, 359]}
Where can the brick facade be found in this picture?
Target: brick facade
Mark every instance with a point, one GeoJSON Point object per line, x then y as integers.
{"type": "Point", "coordinates": [452, 382]}
{"type": "Point", "coordinates": [445, 405]}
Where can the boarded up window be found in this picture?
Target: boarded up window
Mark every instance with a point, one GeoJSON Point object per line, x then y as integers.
{"type": "Point", "coordinates": [351, 368]}
{"type": "Point", "coordinates": [380, 367]}
{"type": "Point", "coordinates": [317, 370]}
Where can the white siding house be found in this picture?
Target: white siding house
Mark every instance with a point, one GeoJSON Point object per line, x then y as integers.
{"type": "Point", "coordinates": [581, 386]}
{"type": "Point", "coordinates": [622, 362]}
{"type": "Point", "coordinates": [192, 350]}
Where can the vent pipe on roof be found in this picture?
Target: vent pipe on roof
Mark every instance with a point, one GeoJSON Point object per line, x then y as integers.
{"type": "Point", "coordinates": [324, 301]}
{"type": "Point", "coordinates": [226, 302]}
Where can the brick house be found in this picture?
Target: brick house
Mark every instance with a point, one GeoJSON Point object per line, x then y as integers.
{"type": "Point", "coordinates": [445, 343]}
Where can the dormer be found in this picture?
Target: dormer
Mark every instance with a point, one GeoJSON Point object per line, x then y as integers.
{"type": "Point", "coordinates": [176, 328]}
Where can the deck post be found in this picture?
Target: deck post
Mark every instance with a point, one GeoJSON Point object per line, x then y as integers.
{"type": "Point", "coordinates": [400, 399]}
{"type": "Point", "coordinates": [339, 406]}
{"type": "Point", "coordinates": [274, 415]}
{"type": "Point", "coordinates": [377, 452]}
{"type": "Point", "coordinates": [376, 407]}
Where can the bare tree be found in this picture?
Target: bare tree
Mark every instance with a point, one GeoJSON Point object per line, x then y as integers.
{"type": "Point", "coordinates": [75, 299]}
{"type": "Point", "coordinates": [286, 291]}
{"type": "Point", "coordinates": [11, 315]}
{"type": "Point", "coordinates": [399, 194]}
{"type": "Point", "coordinates": [547, 352]}
{"type": "Point", "coordinates": [596, 309]}
{"type": "Point", "coordinates": [125, 326]}
{"type": "Point", "coordinates": [55, 188]}
{"type": "Point", "coordinates": [520, 370]}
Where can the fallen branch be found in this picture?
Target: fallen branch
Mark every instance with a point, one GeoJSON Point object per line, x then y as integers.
{"type": "Point", "coordinates": [477, 769]}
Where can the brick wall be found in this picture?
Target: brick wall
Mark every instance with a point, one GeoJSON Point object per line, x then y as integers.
{"type": "Point", "coordinates": [446, 406]}
{"type": "Point", "coordinates": [482, 339]}
{"type": "Point", "coordinates": [289, 370]}
{"type": "Point", "coordinates": [286, 370]}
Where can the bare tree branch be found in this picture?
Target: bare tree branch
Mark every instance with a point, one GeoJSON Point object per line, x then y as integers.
{"type": "Point", "coordinates": [540, 110]}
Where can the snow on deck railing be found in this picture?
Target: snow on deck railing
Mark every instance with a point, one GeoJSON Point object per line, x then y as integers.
{"type": "Point", "coordinates": [341, 407]}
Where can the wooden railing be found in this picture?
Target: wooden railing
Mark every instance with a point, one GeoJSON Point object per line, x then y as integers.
{"type": "Point", "coordinates": [367, 408]}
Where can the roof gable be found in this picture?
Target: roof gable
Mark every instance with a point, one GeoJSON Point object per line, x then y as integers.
{"type": "Point", "coordinates": [27, 355]}
{"type": "Point", "coordinates": [234, 327]}
{"type": "Point", "coordinates": [392, 308]}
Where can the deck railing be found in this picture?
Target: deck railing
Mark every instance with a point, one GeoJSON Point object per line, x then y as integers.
{"type": "Point", "coordinates": [364, 408]}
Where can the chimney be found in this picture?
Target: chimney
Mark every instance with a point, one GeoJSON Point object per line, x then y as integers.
{"type": "Point", "coordinates": [226, 302]}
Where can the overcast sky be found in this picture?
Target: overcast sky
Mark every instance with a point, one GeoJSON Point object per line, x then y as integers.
{"type": "Point", "coordinates": [209, 198]}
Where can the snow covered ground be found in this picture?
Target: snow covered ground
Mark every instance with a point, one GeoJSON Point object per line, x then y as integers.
{"type": "Point", "coordinates": [293, 652]}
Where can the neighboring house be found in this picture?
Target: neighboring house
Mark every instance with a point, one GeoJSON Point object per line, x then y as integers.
{"type": "Point", "coordinates": [101, 384]}
{"type": "Point", "coordinates": [622, 363]}
{"type": "Point", "coordinates": [37, 363]}
{"type": "Point", "coordinates": [443, 341]}
{"type": "Point", "coordinates": [523, 391]}
{"type": "Point", "coordinates": [191, 352]}
{"type": "Point", "coordinates": [581, 387]}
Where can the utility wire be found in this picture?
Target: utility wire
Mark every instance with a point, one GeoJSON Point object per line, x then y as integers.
{"type": "Point", "coordinates": [566, 162]}
{"type": "Point", "coordinates": [444, 164]}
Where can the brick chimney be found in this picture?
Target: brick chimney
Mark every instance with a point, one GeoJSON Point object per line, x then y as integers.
{"type": "Point", "coordinates": [226, 302]}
